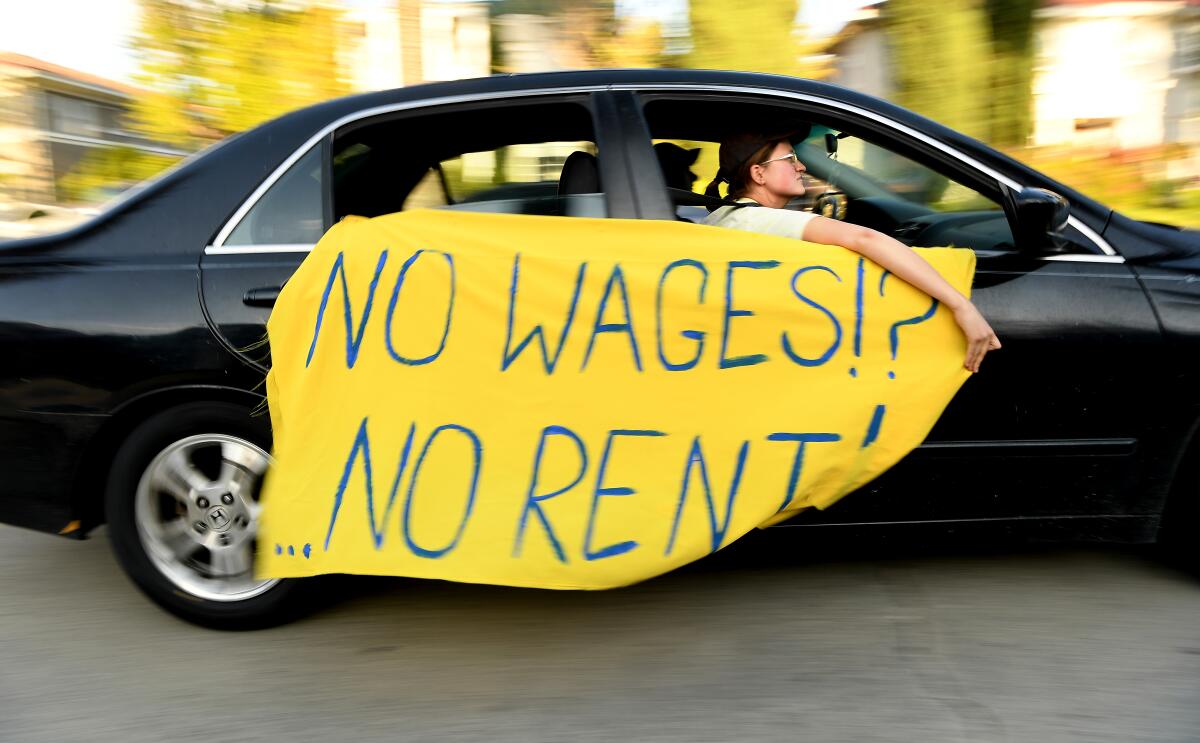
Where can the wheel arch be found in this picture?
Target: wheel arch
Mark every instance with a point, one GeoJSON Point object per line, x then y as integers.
{"type": "Point", "coordinates": [87, 491]}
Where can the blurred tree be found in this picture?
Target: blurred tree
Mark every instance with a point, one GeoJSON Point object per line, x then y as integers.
{"type": "Point", "coordinates": [210, 68]}
{"type": "Point", "coordinates": [816, 61]}
{"type": "Point", "coordinates": [545, 7]}
{"type": "Point", "coordinates": [106, 171]}
{"type": "Point", "coordinates": [636, 43]}
{"type": "Point", "coordinates": [1011, 97]}
{"type": "Point", "coordinates": [214, 68]}
{"type": "Point", "coordinates": [753, 36]}
{"type": "Point", "coordinates": [589, 32]}
{"type": "Point", "coordinates": [940, 54]}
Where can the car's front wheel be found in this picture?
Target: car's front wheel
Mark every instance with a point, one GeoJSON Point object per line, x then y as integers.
{"type": "Point", "coordinates": [182, 504]}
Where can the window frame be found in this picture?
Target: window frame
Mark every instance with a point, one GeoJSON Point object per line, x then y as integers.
{"type": "Point", "coordinates": [913, 144]}
{"type": "Point", "coordinates": [322, 149]}
{"type": "Point", "coordinates": [620, 198]}
{"type": "Point", "coordinates": [586, 101]}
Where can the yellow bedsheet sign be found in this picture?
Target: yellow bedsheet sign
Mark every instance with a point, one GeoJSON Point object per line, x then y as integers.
{"type": "Point", "coordinates": [581, 403]}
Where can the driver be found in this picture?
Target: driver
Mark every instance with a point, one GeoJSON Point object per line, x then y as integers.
{"type": "Point", "coordinates": [761, 170]}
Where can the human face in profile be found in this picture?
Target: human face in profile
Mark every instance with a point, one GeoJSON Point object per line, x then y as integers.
{"type": "Point", "coordinates": [781, 174]}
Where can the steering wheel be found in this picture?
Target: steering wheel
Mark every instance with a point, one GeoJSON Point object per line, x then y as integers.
{"type": "Point", "coordinates": [832, 204]}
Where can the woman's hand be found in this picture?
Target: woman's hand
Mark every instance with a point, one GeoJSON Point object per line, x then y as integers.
{"type": "Point", "coordinates": [980, 336]}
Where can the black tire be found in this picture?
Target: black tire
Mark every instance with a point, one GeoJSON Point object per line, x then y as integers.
{"type": "Point", "coordinates": [190, 587]}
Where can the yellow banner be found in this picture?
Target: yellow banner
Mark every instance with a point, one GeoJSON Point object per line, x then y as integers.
{"type": "Point", "coordinates": [581, 403]}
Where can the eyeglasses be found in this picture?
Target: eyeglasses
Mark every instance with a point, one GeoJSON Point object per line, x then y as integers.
{"type": "Point", "coordinates": [790, 156]}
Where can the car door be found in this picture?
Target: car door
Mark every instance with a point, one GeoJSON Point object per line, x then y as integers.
{"type": "Point", "coordinates": [498, 154]}
{"type": "Point", "coordinates": [1047, 429]}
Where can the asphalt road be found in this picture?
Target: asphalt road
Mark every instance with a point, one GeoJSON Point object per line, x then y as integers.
{"type": "Point", "coordinates": [951, 645]}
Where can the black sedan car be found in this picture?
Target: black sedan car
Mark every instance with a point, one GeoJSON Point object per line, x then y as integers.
{"type": "Point", "coordinates": [132, 358]}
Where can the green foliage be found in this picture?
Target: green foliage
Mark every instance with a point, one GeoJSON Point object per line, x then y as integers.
{"type": "Point", "coordinates": [210, 68]}
{"type": "Point", "coordinates": [635, 44]}
{"type": "Point", "coordinates": [967, 64]}
{"type": "Point", "coordinates": [750, 36]}
{"type": "Point", "coordinates": [103, 172]}
{"type": "Point", "coordinates": [1130, 182]}
{"type": "Point", "coordinates": [549, 7]}
{"type": "Point", "coordinates": [1187, 215]}
{"type": "Point", "coordinates": [940, 53]}
{"type": "Point", "coordinates": [214, 69]}
{"type": "Point", "coordinates": [1010, 102]}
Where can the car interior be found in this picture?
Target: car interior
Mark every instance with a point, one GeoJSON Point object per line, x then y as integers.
{"type": "Point", "coordinates": [854, 175]}
{"type": "Point", "coordinates": [532, 158]}
{"type": "Point", "coordinates": [540, 158]}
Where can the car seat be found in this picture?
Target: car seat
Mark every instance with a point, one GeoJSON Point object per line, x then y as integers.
{"type": "Point", "coordinates": [580, 175]}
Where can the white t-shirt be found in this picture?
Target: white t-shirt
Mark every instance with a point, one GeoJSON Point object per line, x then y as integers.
{"type": "Point", "coordinates": [764, 219]}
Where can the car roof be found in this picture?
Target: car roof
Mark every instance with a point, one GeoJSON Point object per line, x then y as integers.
{"type": "Point", "coordinates": [584, 79]}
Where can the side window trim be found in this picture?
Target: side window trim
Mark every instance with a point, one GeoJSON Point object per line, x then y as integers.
{"type": "Point", "coordinates": [327, 131]}
{"type": "Point", "coordinates": [253, 249]}
{"type": "Point", "coordinates": [258, 193]}
{"type": "Point", "coordinates": [588, 99]}
{"type": "Point", "coordinates": [327, 182]}
{"type": "Point", "coordinates": [974, 178]}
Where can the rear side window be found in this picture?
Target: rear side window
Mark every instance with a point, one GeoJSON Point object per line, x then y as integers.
{"type": "Point", "coordinates": [528, 158]}
{"type": "Point", "coordinates": [291, 212]}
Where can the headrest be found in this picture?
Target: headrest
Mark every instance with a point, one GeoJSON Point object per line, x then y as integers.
{"type": "Point", "coordinates": [580, 174]}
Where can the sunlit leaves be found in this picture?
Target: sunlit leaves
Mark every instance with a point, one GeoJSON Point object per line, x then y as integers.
{"type": "Point", "coordinates": [215, 68]}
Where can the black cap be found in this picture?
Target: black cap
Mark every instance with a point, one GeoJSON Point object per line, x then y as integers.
{"type": "Point", "coordinates": [738, 148]}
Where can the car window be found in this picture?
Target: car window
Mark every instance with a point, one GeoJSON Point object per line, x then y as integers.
{"type": "Point", "coordinates": [898, 175]}
{"type": "Point", "coordinates": [291, 212]}
{"type": "Point", "coordinates": [520, 178]}
{"type": "Point", "coordinates": [866, 181]}
{"type": "Point", "coordinates": [533, 158]}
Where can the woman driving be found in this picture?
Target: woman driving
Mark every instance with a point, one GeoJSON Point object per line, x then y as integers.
{"type": "Point", "coordinates": [762, 170]}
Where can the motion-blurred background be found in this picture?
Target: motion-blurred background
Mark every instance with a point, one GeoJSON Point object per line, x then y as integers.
{"type": "Point", "coordinates": [96, 96]}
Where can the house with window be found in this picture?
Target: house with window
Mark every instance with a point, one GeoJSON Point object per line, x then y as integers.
{"type": "Point", "coordinates": [393, 43]}
{"type": "Point", "coordinates": [51, 117]}
{"type": "Point", "coordinates": [1120, 75]}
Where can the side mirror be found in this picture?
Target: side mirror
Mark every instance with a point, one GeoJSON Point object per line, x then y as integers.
{"type": "Point", "coordinates": [1039, 219]}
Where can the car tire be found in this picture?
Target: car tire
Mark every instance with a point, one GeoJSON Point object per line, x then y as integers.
{"type": "Point", "coordinates": [182, 505]}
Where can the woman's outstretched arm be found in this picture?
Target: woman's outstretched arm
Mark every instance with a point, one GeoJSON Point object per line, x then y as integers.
{"type": "Point", "coordinates": [897, 258]}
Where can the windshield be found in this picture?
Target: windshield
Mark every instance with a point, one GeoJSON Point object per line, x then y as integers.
{"type": "Point", "coordinates": [839, 162]}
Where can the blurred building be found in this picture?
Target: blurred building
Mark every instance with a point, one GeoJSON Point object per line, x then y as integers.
{"type": "Point", "coordinates": [536, 43]}
{"type": "Point", "coordinates": [1122, 75]}
{"type": "Point", "coordinates": [860, 54]}
{"type": "Point", "coordinates": [50, 118]}
{"type": "Point", "coordinates": [371, 51]}
{"type": "Point", "coordinates": [456, 41]}
{"type": "Point", "coordinates": [404, 42]}
{"type": "Point", "coordinates": [1117, 74]}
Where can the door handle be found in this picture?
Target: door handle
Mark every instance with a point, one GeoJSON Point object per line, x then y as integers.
{"type": "Point", "coordinates": [263, 296]}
